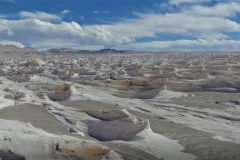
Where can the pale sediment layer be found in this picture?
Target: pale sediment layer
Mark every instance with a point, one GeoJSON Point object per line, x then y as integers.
{"type": "Point", "coordinates": [37, 115]}
{"type": "Point", "coordinates": [23, 140]}
{"type": "Point", "coordinates": [194, 141]}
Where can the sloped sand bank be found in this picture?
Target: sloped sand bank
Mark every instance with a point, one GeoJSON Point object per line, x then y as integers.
{"type": "Point", "coordinates": [37, 115]}
{"type": "Point", "coordinates": [195, 142]}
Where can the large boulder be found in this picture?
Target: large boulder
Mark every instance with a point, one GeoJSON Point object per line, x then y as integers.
{"type": "Point", "coordinates": [114, 125]}
{"type": "Point", "coordinates": [60, 92]}
{"type": "Point", "coordinates": [60, 96]}
{"type": "Point", "coordinates": [35, 62]}
{"type": "Point", "coordinates": [24, 78]}
{"type": "Point", "coordinates": [108, 115]}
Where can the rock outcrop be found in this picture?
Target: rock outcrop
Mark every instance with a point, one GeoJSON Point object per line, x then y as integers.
{"type": "Point", "coordinates": [60, 92]}
{"type": "Point", "coordinates": [35, 62]}
{"type": "Point", "coordinates": [114, 125]}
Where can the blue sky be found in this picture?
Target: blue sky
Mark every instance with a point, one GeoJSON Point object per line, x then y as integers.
{"type": "Point", "coordinates": [139, 25]}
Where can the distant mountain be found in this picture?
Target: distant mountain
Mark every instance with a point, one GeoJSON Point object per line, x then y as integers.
{"type": "Point", "coordinates": [63, 50]}
{"type": "Point", "coordinates": [109, 51]}
{"type": "Point", "coordinates": [11, 50]}
{"type": "Point", "coordinates": [76, 51]}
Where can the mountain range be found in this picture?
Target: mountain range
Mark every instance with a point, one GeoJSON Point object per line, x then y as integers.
{"type": "Point", "coordinates": [12, 50]}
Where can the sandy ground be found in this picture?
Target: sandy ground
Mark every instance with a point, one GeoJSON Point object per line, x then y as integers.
{"type": "Point", "coordinates": [37, 115]}
{"type": "Point", "coordinates": [205, 123]}
{"type": "Point", "coordinates": [206, 99]}
{"type": "Point", "coordinates": [9, 155]}
{"type": "Point", "coordinates": [194, 141]}
{"type": "Point", "coordinates": [120, 148]}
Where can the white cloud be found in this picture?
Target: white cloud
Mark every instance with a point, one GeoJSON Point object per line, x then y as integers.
{"type": "Point", "coordinates": [184, 45]}
{"type": "Point", "coordinates": [38, 15]}
{"type": "Point", "coordinates": [219, 10]}
{"type": "Point", "coordinates": [180, 2]}
{"type": "Point", "coordinates": [82, 17]}
{"type": "Point", "coordinates": [65, 12]}
{"type": "Point", "coordinates": [42, 33]}
{"type": "Point", "coordinates": [7, 42]}
{"type": "Point", "coordinates": [3, 16]}
{"type": "Point", "coordinates": [100, 12]}
{"type": "Point", "coordinates": [148, 25]}
{"type": "Point", "coordinates": [177, 45]}
{"type": "Point", "coordinates": [209, 28]}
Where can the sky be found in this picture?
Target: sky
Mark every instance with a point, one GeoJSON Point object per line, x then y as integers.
{"type": "Point", "coordinates": [138, 25]}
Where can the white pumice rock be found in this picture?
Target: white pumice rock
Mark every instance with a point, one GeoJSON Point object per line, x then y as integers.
{"type": "Point", "coordinates": [35, 62]}
{"type": "Point", "coordinates": [60, 92]}
{"type": "Point", "coordinates": [114, 125]}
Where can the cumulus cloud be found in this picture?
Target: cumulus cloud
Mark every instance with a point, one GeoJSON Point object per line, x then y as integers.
{"type": "Point", "coordinates": [40, 33]}
{"type": "Point", "coordinates": [7, 42]}
{"type": "Point", "coordinates": [35, 31]}
{"type": "Point", "coordinates": [185, 45]}
{"type": "Point", "coordinates": [65, 12]}
{"type": "Point", "coordinates": [45, 33]}
{"type": "Point", "coordinates": [38, 15]}
{"type": "Point", "coordinates": [208, 26]}
{"type": "Point", "coordinates": [219, 10]}
{"type": "Point", "coordinates": [180, 2]}
{"type": "Point", "coordinates": [148, 25]}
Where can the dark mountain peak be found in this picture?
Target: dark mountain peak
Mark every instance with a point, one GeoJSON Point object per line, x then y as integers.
{"type": "Point", "coordinates": [109, 50]}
